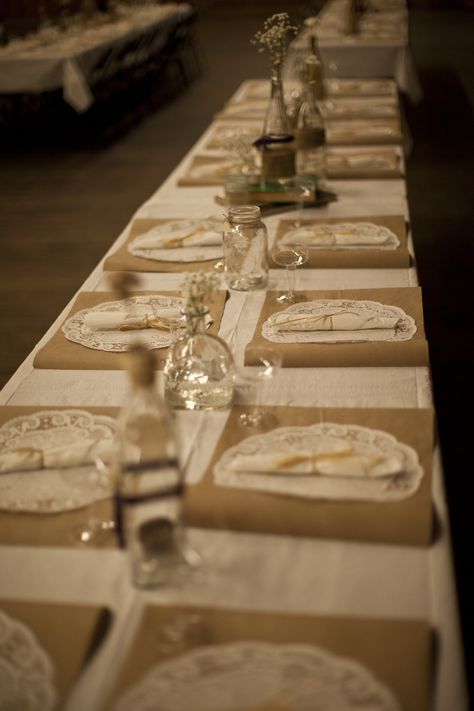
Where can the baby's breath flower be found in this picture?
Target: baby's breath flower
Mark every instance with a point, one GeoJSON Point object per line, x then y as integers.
{"type": "Point", "coordinates": [196, 289]}
{"type": "Point", "coordinates": [275, 37]}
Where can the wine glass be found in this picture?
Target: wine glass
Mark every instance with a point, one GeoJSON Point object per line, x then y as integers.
{"type": "Point", "coordinates": [266, 363]}
{"type": "Point", "coordinates": [299, 188]}
{"type": "Point", "coordinates": [290, 257]}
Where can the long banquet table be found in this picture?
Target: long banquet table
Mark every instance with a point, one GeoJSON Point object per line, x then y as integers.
{"type": "Point", "coordinates": [248, 571]}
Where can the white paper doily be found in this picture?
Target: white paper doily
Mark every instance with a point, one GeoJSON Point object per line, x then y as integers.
{"type": "Point", "coordinates": [217, 169]}
{"type": "Point", "coordinates": [180, 254]}
{"type": "Point", "coordinates": [26, 672]}
{"type": "Point", "coordinates": [353, 107]}
{"type": "Point", "coordinates": [252, 675]}
{"type": "Point", "coordinates": [324, 236]}
{"type": "Point", "coordinates": [119, 341]}
{"type": "Point", "coordinates": [53, 490]}
{"type": "Point", "coordinates": [294, 440]}
{"type": "Point", "coordinates": [404, 331]}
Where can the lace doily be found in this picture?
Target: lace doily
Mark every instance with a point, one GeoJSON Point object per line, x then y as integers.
{"type": "Point", "coordinates": [365, 86]}
{"type": "Point", "coordinates": [26, 672]}
{"type": "Point", "coordinates": [119, 341]}
{"type": "Point", "coordinates": [253, 676]}
{"type": "Point", "coordinates": [324, 236]}
{"type": "Point", "coordinates": [293, 440]}
{"type": "Point", "coordinates": [343, 129]}
{"type": "Point", "coordinates": [383, 159]}
{"type": "Point", "coordinates": [405, 330]}
{"type": "Point", "coordinates": [53, 490]}
{"type": "Point", "coordinates": [181, 254]}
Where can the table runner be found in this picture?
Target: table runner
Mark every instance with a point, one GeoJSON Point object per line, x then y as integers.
{"type": "Point", "coordinates": [209, 505]}
{"type": "Point", "coordinates": [398, 652]}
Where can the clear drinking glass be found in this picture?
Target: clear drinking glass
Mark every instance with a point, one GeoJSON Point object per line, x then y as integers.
{"type": "Point", "coordinates": [289, 257]}
{"type": "Point", "coordinates": [95, 527]}
{"type": "Point", "coordinates": [266, 364]}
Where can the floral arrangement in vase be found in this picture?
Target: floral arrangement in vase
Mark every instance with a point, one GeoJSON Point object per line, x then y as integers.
{"type": "Point", "coordinates": [275, 37]}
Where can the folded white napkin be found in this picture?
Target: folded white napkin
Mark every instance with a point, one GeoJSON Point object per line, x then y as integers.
{"type": "Point", "coordinates": [362, 161]}
{"type": "Point", "coordinates": [337, 461]}
{"type": "Point", "coordinates": [189, 236]}
{"type": "Point", "coordinates": [343, 235]}
{"type": "Point", "coordinates": [121, 320]}
{"type": "Point", "coordinates": [332, 320]}
{"type": "Point", "coordinates": [86, 451]}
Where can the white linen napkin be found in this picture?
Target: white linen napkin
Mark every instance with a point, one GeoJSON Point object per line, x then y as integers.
{"type": "Point", "coordinates": [344, 235]}
{"type": "Point", "coordinates": [337, 461]}
{"type": "Point", "coordinates": [86, 451]}
{"type": "Point", "coordinates": [189, 236]}
{"type": "Point", "coordinates": [332, 320]}
{"type": "Point", "coordinates": [121, 320]}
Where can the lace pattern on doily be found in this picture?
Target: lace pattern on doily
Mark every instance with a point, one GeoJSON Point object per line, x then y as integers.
{"type": "Point", "coordinates": [294, 440]}
{"type": "Point", "coordinates": [53, 490]}
{"type": "Point", "coordinates": [326, 236]}
{"type": "Point", "coordinates": [404, 331]}
{"type": "Point", "coordinates": [26, 672]}
{"type": "Point", "coordinates": [181, 254]}
{"type": "Point", "coordinates": [119, 341]}
{"type": "Point", "coordinates": [251, 675]}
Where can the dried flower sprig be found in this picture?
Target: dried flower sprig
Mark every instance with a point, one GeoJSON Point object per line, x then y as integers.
{"type": "Point", "coordinates": [275, 37]}
{"type": "Point", "coordinates": [239, 143]}
{"type": "Point", "coordinates": [196, 289]}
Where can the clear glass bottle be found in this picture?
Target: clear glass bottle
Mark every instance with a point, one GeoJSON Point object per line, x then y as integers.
{"type": "Point", "coordinates": [199, 369]}
{"type": "Point", "coordinates": [245, 249]}
{"type": "Point", "coordinates": [314, 58]}
{"type": "Point", "coordinates": [310, 133]}
{"type": "Point", "coordinates": [150, 484]}
{"type": "Point", "coordinates": [276, 145]}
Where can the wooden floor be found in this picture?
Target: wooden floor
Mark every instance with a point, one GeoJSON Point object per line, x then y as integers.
{"type": "Point", "coordinates": [61, 208]}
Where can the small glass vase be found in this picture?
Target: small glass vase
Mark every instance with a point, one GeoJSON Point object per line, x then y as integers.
{"type": "Point", "coordinates": [199, 369]}
{"type": "Point", "coordinates": [276, 145]}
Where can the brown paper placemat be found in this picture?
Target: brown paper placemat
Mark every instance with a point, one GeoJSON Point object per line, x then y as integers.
{"type": "Point", "coordinates": [340, 172]}
{"type": "Point", "coordinates": [69, 634]}
{"type": "Point", "coordinates": [406, 522]}
{"type": "Point", "coordinates": [352, 258]}
{"type": "Point", "coordinates": [352, 133]}
{"type": "Point", "coordinates": [339, 355]}
{"type": "Point", "coordinates": [214, 178]}
{"type": "Point", "coordinates": [396, 652]}
{"type": "Point", "coordinates": [55, 529]}
{"type": "Point", "coordinates": [61, 354]}
{"type": "Point", "coordinates": [123, 260]}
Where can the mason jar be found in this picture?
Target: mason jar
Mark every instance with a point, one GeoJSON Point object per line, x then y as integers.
{"type": "Point", "coordinates": [245, 249]}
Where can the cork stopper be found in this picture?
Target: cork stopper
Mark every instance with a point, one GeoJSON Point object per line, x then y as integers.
{"type": "Point", "coordinates": [140, 363]}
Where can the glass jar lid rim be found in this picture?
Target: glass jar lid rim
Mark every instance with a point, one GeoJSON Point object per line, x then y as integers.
{"type": "Point", "coordinates": [243, 212]}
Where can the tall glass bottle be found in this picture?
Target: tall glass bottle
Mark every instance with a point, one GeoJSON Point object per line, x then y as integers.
{"type": "Point", "coordinates": [276, 144]}
{"type": "Point", "coordinates": [310, 132]}
{"type": "Point", "coordinates": [314, 56]}
{"type": "Point", "coordinates": [245, 249]}
{"type": "Point", "coordinates": [149, 481]}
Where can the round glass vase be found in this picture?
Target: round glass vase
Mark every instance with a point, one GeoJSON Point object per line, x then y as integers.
{"type": "Point", "coordinates": [199, 370]}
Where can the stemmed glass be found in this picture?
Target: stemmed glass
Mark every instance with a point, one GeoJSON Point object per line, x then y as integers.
{"type": "Point", "coordinates": [266, 363]}
{"type": "Point", "coordinates": [300, 188]}
{"type": "Point", "coordinates": [290, 257]}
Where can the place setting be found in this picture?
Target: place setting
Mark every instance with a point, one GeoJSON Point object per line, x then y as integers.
{"type": "Point", "coordinates": [355, 474]}
{"type": "Point", "coordinates": [44, 649]}
{"type": "Point", "coordinates": [353, 327]}
{"type": "Point", "coordinates": [56, 483]}
{"type": "Point", "coordinates": [170, 245]}
{"type": "Point", "coordinates": [248, 660]}
{"type": "Point", "coordinates": [372, 241]}
{"type": "Point", "coordinates": [368, 162]}
{"type": "Point", "coordinates": [100, 328]}
{"type": "Point", "coordinates": [364, 132]}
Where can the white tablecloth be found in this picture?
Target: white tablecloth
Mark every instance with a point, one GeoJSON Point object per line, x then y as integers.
{"type": "Point", "coordinates": [246, 570]}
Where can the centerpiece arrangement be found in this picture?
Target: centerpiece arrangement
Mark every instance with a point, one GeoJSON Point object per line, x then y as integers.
{"type": "Point", "coordinates": [199, 369]}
